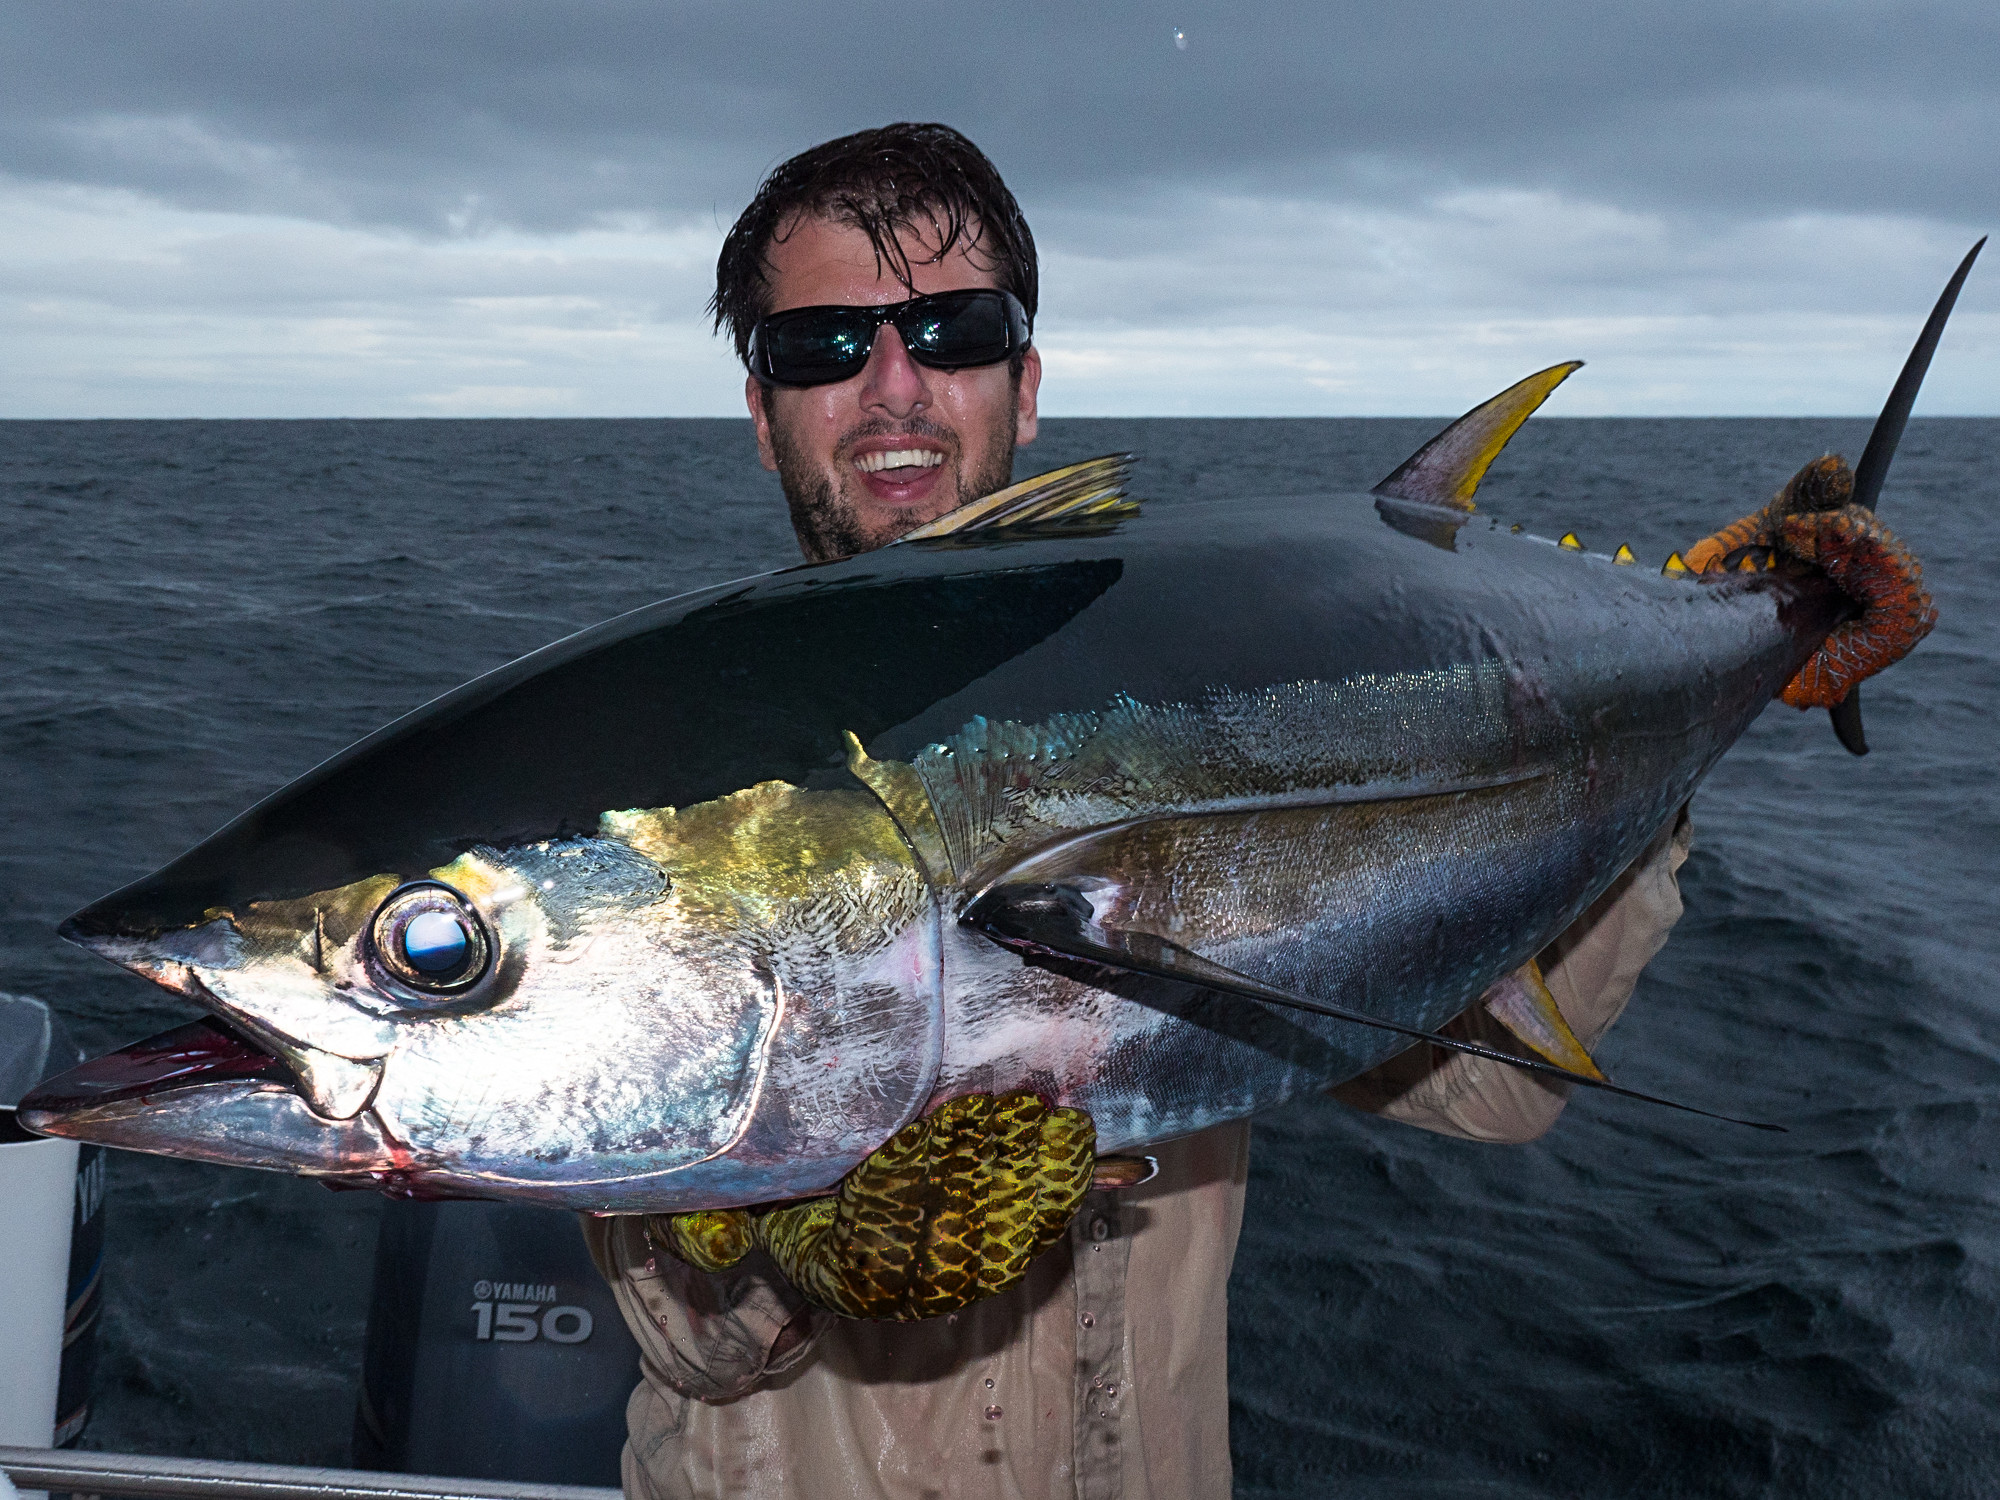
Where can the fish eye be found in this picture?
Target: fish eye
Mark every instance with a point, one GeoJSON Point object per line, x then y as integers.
{"type": "Point", "coordinates": [429, 939]}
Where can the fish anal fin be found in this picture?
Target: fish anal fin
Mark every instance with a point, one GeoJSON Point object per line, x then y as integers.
{"type": "Point", "coordinates": [1058, 920]}
{"type": "Point", "coordinates": [1522, 1003]}
{"type": "Point", "coordinates": [1446, 471]}
{"type": "Point", "coordinates": [1093, 490]}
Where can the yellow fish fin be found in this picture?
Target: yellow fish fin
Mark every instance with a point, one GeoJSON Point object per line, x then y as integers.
{"type": "Point", "coordinates": [1522, 1003]}
{"type": "Point", "coordinates": [1446, 471]}
{"type": "Point", "coordinates": [1093, 490]}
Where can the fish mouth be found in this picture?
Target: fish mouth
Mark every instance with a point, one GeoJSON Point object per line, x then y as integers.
{"type": "Point", "coordinates": [208, 1091]}
{"type": "Point", "coordinates": [337, 1082]}
{"type": "Point", "coordinates": [196, 1055]}
{"type": "Point", "coordinates": [229, 1088]}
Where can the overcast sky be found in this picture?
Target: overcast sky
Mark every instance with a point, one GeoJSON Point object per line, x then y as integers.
{"type": "Point", "coordinates": [501, 207]}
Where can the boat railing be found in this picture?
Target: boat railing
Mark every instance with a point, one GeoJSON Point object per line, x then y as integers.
{"type": "Point", "coordinates": [81, 1473]}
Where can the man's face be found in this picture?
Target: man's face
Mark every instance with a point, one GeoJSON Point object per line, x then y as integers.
{"type": "Point", "coordinates": [898, 444]}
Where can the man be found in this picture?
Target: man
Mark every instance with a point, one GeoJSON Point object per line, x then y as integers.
{"type": "Point", "coordinates": [871, 221]}
{"type": "Point", "coordinates": [1103, 1372]}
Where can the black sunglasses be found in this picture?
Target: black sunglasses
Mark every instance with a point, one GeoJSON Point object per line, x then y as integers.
{"type": "Point", "coordinates": [946, 331]}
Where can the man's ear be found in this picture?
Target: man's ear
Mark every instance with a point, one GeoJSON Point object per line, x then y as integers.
{"type": "Point", "coordinates": [1025, 415]}
{"type": "Point", "coordinates": [753, 397]}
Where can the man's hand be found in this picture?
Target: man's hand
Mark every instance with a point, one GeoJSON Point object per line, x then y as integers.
{"type": "Point", "coordinates": [1814, 521]}
{"type": "Point", "coordinates": [954, 1208]}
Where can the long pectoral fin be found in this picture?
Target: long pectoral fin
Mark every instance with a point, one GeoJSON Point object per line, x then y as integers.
{"type": "Point", "coordinates": [1058, 921]}
{"type": "Point", "coordinates": [1522, 1003]}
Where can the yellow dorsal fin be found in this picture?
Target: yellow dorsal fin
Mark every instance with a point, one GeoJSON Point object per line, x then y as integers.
{"type": "Point", "coordinates": [1522, 1003]}
{"type": "Point", "coordinates": [1447, 470]}
{"type": "Point", "coordinates": [1090, 491]}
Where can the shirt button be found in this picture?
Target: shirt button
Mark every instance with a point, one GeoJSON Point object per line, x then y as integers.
{"type": "Point", "coordinates": [1088, 1320]}
{"type": "Point", "coordinates": [1100, 1229]}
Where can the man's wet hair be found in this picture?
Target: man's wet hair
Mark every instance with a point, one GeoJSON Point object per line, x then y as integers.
{"type": "Point", "coordinates": [926, 179]}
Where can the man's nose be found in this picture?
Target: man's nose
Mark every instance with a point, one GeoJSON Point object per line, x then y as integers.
{"type": "Point", "coordinates": [893, 383]}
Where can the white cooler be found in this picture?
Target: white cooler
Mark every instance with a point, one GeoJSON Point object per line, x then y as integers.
{"type": "Point", "coordinates": [37, 1208]}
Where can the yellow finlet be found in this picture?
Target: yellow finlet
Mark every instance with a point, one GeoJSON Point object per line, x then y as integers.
{"type": "Point", "coordinates": [1522, 1003]}
{"type": "Point", "coordinates": [1674, 567]}
{"type": "Point", "coordinates": [1446, 471]}
{"type": "Point", "coordinates": [1093, 490]}
{"type": "Point", "coordinates": [1569, 540]}
{"type": "Point", "coordinates": [1624, 556]}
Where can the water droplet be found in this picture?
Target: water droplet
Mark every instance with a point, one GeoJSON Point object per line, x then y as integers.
{"type": "Point", "coordinates": [1088, 1320]}
{"type": "Point", "coordinates": [1180, 39]}
{"type": "Point", "coordinates": [992, 1413]}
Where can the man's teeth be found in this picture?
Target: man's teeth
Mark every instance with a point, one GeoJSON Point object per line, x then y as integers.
{"type": "Point", "coordinates": [899, 458]}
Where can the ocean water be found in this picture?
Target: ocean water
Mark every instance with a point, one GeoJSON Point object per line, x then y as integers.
{"type": "Point", "coordinates": [1640, 1304]}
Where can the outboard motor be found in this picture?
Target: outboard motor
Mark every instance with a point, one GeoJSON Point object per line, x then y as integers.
{"type": "Point", "coordinates": [495, 1350]}
{"type": "Point", "coordinates": [51, 1244]}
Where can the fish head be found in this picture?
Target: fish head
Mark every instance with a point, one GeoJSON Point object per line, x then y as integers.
{"type": "Point", "coordinates": [615, 926]}
{"type": "Point", "coordinates": [589, 1021]}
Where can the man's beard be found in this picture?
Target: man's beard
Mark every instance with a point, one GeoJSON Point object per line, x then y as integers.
{"type": "Point", "coordinates": [825, 515]}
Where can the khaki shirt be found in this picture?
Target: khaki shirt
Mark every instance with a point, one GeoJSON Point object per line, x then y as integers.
{"type": "Point", "coordinates": [1104, 1375]}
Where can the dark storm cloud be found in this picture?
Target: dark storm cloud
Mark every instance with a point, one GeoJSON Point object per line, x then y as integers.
{"type": "Point", "coordinates": [449, 116]}
{"type": "Point", "coordinates": [477, 206]}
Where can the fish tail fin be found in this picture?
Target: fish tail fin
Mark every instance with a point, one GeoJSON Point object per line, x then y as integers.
{"type": "Point", "coordinates": [1845, 711]}
{"type": "Point", "coordinates": [1846, 717]}
{"type": "Point", "coordinates": [1825, 517]}
{"type": "Point", "coordinates": [1888, 429]}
